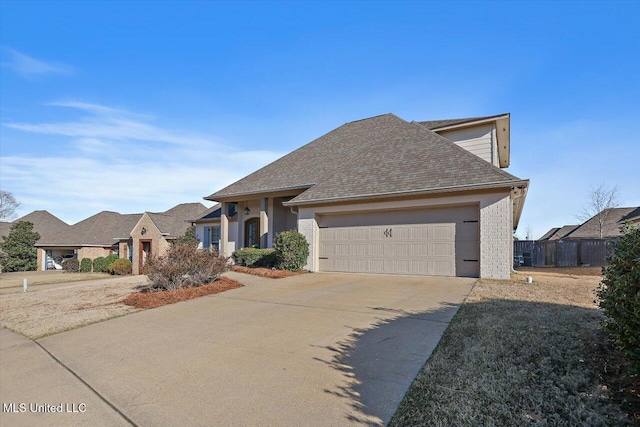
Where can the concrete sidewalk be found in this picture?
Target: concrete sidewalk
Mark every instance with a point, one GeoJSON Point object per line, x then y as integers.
{"type": "Point", "coordinates": [30, 377]}
{"type": "Point", "coordinates": [316, 349]}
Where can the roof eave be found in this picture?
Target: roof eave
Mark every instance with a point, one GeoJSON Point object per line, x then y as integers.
{"type": "Point", "coordinates": [459, 188]}
{"type": "Point", "coordinates": [233, 197]}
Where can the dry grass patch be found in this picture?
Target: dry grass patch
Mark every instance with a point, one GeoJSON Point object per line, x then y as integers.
{"type": "Point", "coordinates": [50, 311]}
{"type": "Point", "coordinates": [517, 354]}
{"type": "Point", "coordinates": [152, 299]}
{"type": "Point", "coordinates": [267, 272]}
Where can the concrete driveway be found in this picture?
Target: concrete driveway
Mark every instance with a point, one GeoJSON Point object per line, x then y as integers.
{"type": "Point", "coordinates": [316, 349]}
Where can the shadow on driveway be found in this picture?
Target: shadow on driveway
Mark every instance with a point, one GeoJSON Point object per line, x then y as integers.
{"type": "Point", "coordinates": [380, 363]}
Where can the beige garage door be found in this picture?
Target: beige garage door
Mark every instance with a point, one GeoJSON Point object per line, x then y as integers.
{"type": "Point", "coordinates": [438, 242]}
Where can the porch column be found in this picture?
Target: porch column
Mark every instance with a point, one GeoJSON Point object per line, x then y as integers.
{"type": "Point", "coordinates": [224, 230]}
{"type": "Point", "coordinates": [271, 215]}
{"type": "Point", "coordinates": [264, 223]}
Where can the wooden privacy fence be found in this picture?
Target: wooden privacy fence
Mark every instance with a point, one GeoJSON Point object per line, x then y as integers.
{"type": "Point", "coordinates": [564, 253]}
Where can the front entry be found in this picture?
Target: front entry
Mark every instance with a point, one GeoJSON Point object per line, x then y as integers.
{"type": "Point", "coordinates": [144, 253]}
{"type": "Point", "coordinates": [252, 232]}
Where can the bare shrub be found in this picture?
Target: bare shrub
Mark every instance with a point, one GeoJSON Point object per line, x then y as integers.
{"type": "Point", "coordinates": [183, 265]}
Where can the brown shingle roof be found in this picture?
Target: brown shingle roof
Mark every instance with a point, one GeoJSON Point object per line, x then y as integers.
{"type": "Point", "coordinates": [558, 233]}
{"type": "Point", "coordinates": [382, 155]}
{"type": "Point", "coordinates": [104, 227]}
{"type": "Point", "coordinates": [615, 218]}
{"type": "Point", "coordinates": [46, 224]}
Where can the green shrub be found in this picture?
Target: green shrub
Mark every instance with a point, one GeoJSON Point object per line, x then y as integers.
{"type": "Point", "coordinates": [120, 267]}
{"type": "Point", "coordinates": [184, 265]}
{"type": "Point", "coordinates": [85, 265]}
{"type": "Point", "coordinates": [98, 265]}
{"type": "Point", "coordinates": [619, 295]}
{"type": "Point", "coordinates": [17, 252]}
{"type": "Point", "coordinates": [291, 250]}
{"type": "Point", "coordinates": [108, 261]}
{"type": "Point", "coordinates": [252, 257]}
{"type": "Point", "coordinates": [71, 265]}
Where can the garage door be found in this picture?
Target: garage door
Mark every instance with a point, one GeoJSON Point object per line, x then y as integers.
{"type": "Point", "coordinates": [437, 242]}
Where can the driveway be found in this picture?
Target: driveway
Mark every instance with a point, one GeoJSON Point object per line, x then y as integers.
{"type": "Point", "coordinates": [315, 349]}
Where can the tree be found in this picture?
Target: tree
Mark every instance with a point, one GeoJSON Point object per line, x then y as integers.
{"type": "Point", "coordinates": [619, 294]}
{"type": "Point", "coordinates": [18, 247]}
{"type": "Point", "coordinates": [189, 238]}
{"type": "Point", "coordinates": [8, 206]}
{"type": "Point", "coordinates": [601, 200]}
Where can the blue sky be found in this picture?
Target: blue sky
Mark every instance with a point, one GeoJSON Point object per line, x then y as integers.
{"type": "Point", "coordinates": [134, 106]}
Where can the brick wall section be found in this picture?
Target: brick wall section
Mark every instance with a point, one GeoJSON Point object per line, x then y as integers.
{"type": "Point", "coordinates": [496, 238]}
{"type": "Point", "coordinates": [309, 227]}
{"type": "Point", "coordinates": [93, 253]}
{"type": "Point", "coordinates": [159, 244]}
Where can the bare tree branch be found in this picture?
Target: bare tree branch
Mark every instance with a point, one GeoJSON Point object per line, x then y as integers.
{"type": "Point", "coordinates": [601, 199]}
{"type": "Point", "coordinates": [8, 206]}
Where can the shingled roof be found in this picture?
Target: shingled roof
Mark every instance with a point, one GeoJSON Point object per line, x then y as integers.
{"type": "Point", "coordinates": [382, 155]}
{"type": "Point", "coordinates": [44, 223]}
{"type": "Point", "coordinates": [104, 227]}
{"type": "Point", "coordinates": [558, 233]}
{"type": "Point", "coordinates": [615, 218]}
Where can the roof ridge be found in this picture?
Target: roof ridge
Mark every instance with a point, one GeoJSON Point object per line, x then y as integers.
{"type": "Point", "coordinates": [374, 117]}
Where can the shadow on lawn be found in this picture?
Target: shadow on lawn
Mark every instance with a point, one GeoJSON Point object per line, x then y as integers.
{"type": "Point", "coordinates": [516, 362]}
{"type": "Point", "coordinates": [380, 363]}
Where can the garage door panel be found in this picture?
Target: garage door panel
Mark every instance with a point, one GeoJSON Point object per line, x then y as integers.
{"type": "Point", "coordinates": [443, 245]}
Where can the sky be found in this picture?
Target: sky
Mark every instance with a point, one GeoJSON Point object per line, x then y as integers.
{"type": "Point", "coordinates": [139, 106]}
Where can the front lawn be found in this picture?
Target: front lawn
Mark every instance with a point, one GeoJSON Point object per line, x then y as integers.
{"type": "Point", "coordinates": [518, 354]}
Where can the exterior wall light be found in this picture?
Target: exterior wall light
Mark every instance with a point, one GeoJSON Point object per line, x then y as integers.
{"type": "Point", "coordinates": [247, 211]}
{"type": "Point", "coordinates": [143, 231]}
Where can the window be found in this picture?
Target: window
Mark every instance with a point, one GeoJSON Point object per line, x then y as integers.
{"type": "Point", "coordinates": [212, 238]}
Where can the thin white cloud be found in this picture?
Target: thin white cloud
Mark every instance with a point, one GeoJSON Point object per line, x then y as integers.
{"type": "Point", "coordinates": [98, 109]}
{"type": "Point", "coordinates": [106, 123]}
{"type": "Point", "coordinates": [28, 66]}
{"type": "Point", "coordinates": [111, 161]}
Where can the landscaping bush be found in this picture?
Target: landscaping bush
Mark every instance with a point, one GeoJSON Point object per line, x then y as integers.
{"type": "Point", "coordinates": [251, 257]}
{"type": "Point", "coordinates": [99, 266]}
{"type": "Point", "coordinates": [291, 250]}
{"type": "Point", "coordinates": [108, 262]}
{"type": "Point", "coordinates": [619, 295]}
{"type": "Point", "coordinates": [17, 252]}
{"type": "Point", "coordinates": [120, 267]}
{"type": "Point", "coordinates": [85, 265]}
{"type": "Point", "coordinates": [71, 265]}
{"type": "Point", "coordinates": [184, 265]}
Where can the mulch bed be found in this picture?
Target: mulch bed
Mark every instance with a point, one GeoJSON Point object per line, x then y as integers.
{"type": "Point", "coordinates": [153, 299]}
{"type": "Point", "coordinates": [267, 272]}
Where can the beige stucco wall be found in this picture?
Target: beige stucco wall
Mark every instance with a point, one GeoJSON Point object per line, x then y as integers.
{"type": "Point", "coordinates": [495, 226]}
{"type": "Point", "coordinates": [159, 243]}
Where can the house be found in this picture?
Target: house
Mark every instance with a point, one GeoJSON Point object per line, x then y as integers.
{"type": "Point", "coordinates": [44, 223]}
{"type": "Point", "coordinates": [384, 195]}
{"type": "Point", "coordinates": [612, 221]}
{"type": "Point", "coordinates": [557, 233]}
{"type": "Point", "coordinates": [131, 236]}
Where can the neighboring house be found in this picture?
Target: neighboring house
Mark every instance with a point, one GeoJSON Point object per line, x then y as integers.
{"type": "Point", "coordinates": [208, 228]}
{"type": "Point", "coordinates": [383, 195]}
{"type": "Point", "coordinates": [44, 223]}
{"type": "Point", "coordinates": [131, 236]}
{"type": "Point", "coordinates": [557, 233]}
{"type": "Point", "coordinates": [614, 219]}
